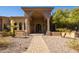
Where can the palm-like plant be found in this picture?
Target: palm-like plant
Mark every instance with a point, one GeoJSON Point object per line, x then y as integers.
{"type": "Point", "coordinates": [12, 26]}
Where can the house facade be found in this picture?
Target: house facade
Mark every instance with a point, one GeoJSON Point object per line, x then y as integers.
{"type": "Point", "coordinates": [35, 20]}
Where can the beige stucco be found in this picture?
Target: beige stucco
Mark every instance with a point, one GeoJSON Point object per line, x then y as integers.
{"type": "Point", "coordinates": [6, 21]}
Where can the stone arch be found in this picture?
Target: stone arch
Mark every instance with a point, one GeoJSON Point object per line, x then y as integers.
{"type": "Point", "coordinates": [20, 26]}
{"type": "Point", "coordinates": [38, 17]}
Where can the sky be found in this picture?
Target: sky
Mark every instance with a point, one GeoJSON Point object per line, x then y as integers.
{"type": "Point", "coordinates": [11, 11]}
{"type": "Point", "coordinates": [17, 11]}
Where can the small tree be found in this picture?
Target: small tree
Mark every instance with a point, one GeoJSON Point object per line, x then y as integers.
{"type": "Point", "coordinates": [12, 26]}
{"type": "Point", "coordinates": [68, 18]}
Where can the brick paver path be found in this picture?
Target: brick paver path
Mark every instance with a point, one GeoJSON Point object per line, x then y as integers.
{"type": "Point", "coordinates": [38, 45]}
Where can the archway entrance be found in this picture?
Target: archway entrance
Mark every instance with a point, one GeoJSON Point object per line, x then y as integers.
{"type": "Point", "coordinates": [38, 28]}
{"type": "Point", "coordinates": [38, 23]}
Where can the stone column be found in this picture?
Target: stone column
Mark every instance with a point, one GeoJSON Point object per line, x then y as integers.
{"type": "Point", "coordinates": [23, 26]}
{"type": "Point", "coordinates": [48, 26]}
{"type": "Point", "coordinates": [26, 27]}
{"type": "Point", "coordinates": [17, 26]}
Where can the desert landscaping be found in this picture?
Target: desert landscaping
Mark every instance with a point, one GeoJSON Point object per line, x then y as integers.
{"type": "Point", "coordinates": [38, 43]}
{"type": "Point", "coordinates": [41, 30]}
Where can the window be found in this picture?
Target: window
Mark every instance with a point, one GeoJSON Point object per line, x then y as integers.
{"type": "Point", "coordinates": [15, 26]}
{"type": "Point", "coordinates": [5, 26]}
{"type": "Point", "coordinates": [20, 26]}
{"type": "Point", "coordinates": [15, 23]}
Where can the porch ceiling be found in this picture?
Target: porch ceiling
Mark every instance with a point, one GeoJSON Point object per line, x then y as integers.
{"type": "Point", "coordinates": [26, 9]}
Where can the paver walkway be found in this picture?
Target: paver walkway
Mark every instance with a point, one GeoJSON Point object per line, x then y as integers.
{"type": "Point", "coordinates": [38, 45]}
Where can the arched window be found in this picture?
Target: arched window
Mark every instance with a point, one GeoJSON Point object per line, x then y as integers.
{"type": "Point", "coordinates": [20, 26]}
{"type": "Point", "coordinates": [5, 26]}
{"type": "Point", "coordinates": [15, 26]}
{"type": "Point", "coordinates": [15, 23]}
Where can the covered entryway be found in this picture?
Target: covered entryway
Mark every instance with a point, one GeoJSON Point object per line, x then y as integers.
{"type": "Point", "coordinates": [38, 23]}
{"type": "Point", "coordinates": [37, 19]}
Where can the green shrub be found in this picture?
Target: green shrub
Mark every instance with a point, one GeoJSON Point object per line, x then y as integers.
{"type": "Point", "coordinates": [73, 43]}
{"type": "Point", "coordinates": [4, 42]}
{"type": "Point", "coordinates": [62, 30]}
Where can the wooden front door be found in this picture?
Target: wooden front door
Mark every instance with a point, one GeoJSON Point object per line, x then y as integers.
{"type": "Point", "coordinates": [38, 28]}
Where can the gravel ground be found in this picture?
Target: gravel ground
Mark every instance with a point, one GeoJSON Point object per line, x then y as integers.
{"type": "Point", "coordinates": [18, 45]}
{"type": "Point", "coordinates": [57, 44]}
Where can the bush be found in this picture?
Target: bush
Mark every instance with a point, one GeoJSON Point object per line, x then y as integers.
{"type": "Point", "coordinates": [73, 43]}
{"type": "Point", "coordinates": [4, 42]}
{"type": "Point", "coordinates": [5, 33]}
{"type": "Point", "coordinates": [62, 30]}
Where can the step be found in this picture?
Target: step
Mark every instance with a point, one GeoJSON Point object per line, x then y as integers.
{"type": "Point", "coordinates": [36, 34]}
